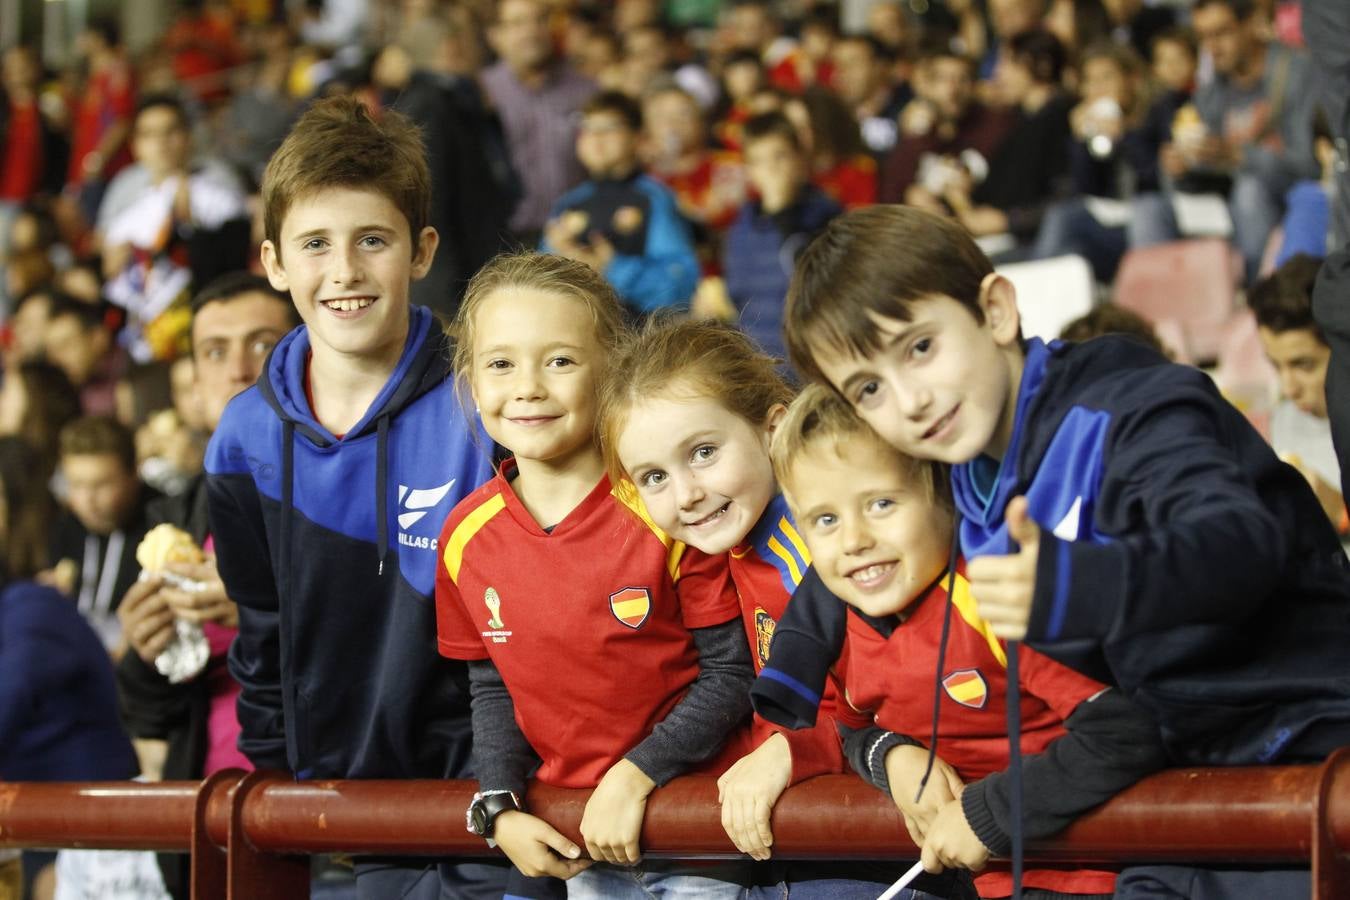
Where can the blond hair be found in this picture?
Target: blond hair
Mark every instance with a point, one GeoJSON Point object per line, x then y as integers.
{"type": "Point", "coordinates": [339, 143]}
{"type": "Point", "coordinates": [703, 358]}
{"type": "Point", "coordinates": [540, 272]}
{"type": "Point", "coordinates": [819, 417]}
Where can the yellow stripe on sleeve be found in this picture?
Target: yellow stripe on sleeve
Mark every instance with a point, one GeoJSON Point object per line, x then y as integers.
{"type": "Point", "coordinates": [965, 605]}
{"type": "Point", "coordinates": [790, 532]}
{"type": "Point", "coordinates": [464, 532]}
{"type": "Point", "coordinates": [786, 556]}
{"type": "Point", "coordinates": [626, 493]}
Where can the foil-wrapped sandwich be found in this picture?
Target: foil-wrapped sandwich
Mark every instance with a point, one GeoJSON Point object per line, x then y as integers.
{"type": "Point", "coordinates": [187, 654]}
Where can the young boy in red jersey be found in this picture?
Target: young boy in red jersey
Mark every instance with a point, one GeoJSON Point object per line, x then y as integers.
{"type": "Point", "coordinates": [879, 525]}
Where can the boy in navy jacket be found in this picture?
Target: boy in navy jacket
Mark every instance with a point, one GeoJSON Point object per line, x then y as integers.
{"type": "Point", "coordinates": [329, 480]}
{"type": "Point", "coordinates": [1118, 514]}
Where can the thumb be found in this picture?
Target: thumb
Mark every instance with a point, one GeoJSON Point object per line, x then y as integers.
{"type": "Point", "coordinates": [559, 842]}
{"type": "Point", "coordinates": [1021, 528]}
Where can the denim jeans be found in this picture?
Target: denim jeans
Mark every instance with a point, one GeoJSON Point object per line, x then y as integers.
{"type": "Point", "coordinates": [665, 881]}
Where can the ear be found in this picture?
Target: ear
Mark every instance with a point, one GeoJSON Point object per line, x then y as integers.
{"type": "Point", "coordinates": [271, 260]}
{"type": "Point", "coordinates": [427, 242]}
{"type": "Point", "coordinates": [998, 302]}
{"type": "Point", "coordinates": [774, 418]}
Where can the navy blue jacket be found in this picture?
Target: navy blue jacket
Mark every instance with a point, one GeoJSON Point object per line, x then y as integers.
{"type": "Point", "coordinates": [1179, 558]}
{"type": "Point", "coordinates": [329, 548]}
{"type": "Point", "coordinates": [58, 703]}
{"type": "Point", "coordinates": [761, 251]}
{"type": "Point", "coordinates": [654, 265]}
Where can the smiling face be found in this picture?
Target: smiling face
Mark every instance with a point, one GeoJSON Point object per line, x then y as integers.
{"type": "Point", "coordinates": [703, 472]}
{"type": "Point", "coordinates": [876, 537]}
{"type": "Point", "coordinates": [347, 258]}
{"type": "Point", "coordinates": [534, 373]}
{"type": "Point", "coordinates": [941, 386]}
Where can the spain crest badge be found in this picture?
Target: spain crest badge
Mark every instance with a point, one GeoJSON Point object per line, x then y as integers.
{"type": "Point", "coordinates": [967, 687]}
{"type": "Point", "coordinates": [631, 606]}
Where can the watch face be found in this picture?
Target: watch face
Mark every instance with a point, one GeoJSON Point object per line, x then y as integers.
{"type": "Point", "coordinates": [478, 818]}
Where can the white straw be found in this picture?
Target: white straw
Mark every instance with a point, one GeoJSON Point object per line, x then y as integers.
{"type": "Point", "coordinates": [914, 872]}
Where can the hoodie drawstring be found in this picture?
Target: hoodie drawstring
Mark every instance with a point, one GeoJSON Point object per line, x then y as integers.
{"type": "Point", "coordinates": [382, 489]}
{"type": "Point", "coordinates": [942, 654]}
{"type": "Point", "coordinates": [1014, 719]}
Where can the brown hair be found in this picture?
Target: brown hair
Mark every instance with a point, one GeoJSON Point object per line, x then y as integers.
{"type": "Point", "coordinates": [1282, 301]}
{"type": "Point", "coordinates": [701, 357]}
{"type": "Point", "coordinates": [770, 124]}
{"type": "Point", "coordinates": [99, 436]}
{"type": "Point", "coordinates": [52, 402]}
{"type": "Point", "coordinates": [27, 510]}
{"type": "Point", "coordinates": [338, 143]}
{"type": "Point", "coordinates": [1110, 318]}
{"type": "Point", "coordinates": [878, 260]}
{"type": "Point", "coordinates": [820, 417]}
{"type": "Point", "coordinates": [539, 272]}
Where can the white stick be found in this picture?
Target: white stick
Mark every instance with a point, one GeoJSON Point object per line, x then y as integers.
{"type": "Point", "coordinates": [914, 872]}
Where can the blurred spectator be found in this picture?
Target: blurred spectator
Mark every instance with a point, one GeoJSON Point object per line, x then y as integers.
{"type": "Point", "coordinates": [1108, 318]}
{"type": "Point", "coordinates": [79, 339]}
{"type": "Point", "coordinates": [1029, 169]}
{"type": "Point", "coordinates": [1008, 19]}
{"type": "Point", "coordinates": [184, 216]}
{"type": "Point", "coordinates": [537, 97]}
{"type": "Point", "coordinates": [1300, 429]}
{"type": "Point", "coordinates": [1306, 227]}
{"type": "Point", "coordinates": [1078, 24]}
{"type": "Point", "coordinates": [942, 129]}
{"type": "Point", "coordinates": [862, 79]}
{"type": "Point", "coordinates": [58, 704]}
{"type": "Point", "coordinates": [34, 148]}
{"type": "Point", "coordinates": [647, 55]}
{"type": "Point", "coordinates": [93, 547]}
{"type": "Point", "coordinates": [470, 202]}
{"type": "Point", "coordinates": [102, 116]}
{"type": "Point", "coordinates": [37, 400]}
{"type": "Point", "coordinates": [261, 109]}
{"type": "Point", "coordinates": [620, 222]}
{"type": "Point", "coordinates": [1137, 24]}
{"type": "Point", "coordinates": [811, 61]}
{"type": "Point", "coordinates": [26, 330]}
{"type": "Point", "coordinates": [839, 163]}
{"type": "Point", "coordinates": [236, 321]}
{"type": "Point", "coordinates": [141, 392]}
{"type": "Point", "coordinates": [336, 25]}
{"type": "Point", "coordinates": [709, 185]}
{"type": "Point", "coordinates": [763, 243]}
{"type": "Point", "coordinates": [742, 78]}
{"type": "Point", "coordinates": [202, 47]}
{"type": "Point", "coordinates": [1250, 128]}
{"type": "Point", "coordinates": [1113, 155]}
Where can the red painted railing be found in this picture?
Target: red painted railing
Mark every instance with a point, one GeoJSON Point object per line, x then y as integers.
{"type": "Point", "coordinates": [249, 834]}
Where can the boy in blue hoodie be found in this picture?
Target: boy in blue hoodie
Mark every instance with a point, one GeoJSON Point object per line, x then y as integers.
{"type": "Point", "coordinates": [1118, 514]}
{"type": "Point", "coordinates": [329, 480]}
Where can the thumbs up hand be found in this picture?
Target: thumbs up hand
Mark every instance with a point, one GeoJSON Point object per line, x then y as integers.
{"type": "Point", "coordinates": [1004, 585]}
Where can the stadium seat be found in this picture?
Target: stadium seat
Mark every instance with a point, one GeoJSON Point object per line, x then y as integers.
{"type": "Point", "coordinates": [1051, 293]}
{"type": "Point", "coordinates": [1192, 283]}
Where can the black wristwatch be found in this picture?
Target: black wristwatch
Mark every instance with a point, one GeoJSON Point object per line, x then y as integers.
{"type": "Point", "coordinates": [482, 813]}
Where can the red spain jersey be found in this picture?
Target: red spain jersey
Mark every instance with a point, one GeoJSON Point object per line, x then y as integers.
{"type": "Point", "coordinates": [891, 677]}
{"type": "Point", "coordinates": [766, 568]}
{"type": "Point", "coordinates": [589, 624]}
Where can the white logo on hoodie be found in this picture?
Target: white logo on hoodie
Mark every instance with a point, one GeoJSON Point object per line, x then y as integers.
{"type": "Point", "coordinates": [415, 503]}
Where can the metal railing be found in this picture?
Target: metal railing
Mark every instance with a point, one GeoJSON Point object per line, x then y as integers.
{"type": "Point", "coordinates": [250, 834]}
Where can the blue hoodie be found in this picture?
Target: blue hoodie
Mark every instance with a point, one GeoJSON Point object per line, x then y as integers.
{"type": "Point", "coordinates": [329, 548]}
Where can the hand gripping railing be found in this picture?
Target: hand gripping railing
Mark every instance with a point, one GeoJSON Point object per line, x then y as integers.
{"type": "Point", "coordinates": [249, 834]}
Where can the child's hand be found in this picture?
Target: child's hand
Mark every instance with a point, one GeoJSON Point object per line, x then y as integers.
{"type": "Point", "coordinates": [536, 847]}
{"type": "Point", "coordinates": [905, 766]}
{"type": "Point", "coordinates": [748, 791]}
{"type": "Point", "coordinates": [612, 820]}
{"type": "Point", "coordinates": [951, 844]}
{"type": "Point", "coordinates": [1004, 585]}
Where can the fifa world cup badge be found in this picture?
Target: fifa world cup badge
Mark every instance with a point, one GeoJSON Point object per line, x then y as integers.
{"type": "Point", "coordinates": [494, 604]}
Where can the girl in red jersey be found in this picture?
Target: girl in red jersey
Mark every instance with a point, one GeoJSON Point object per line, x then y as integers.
{"type": "Point", "coordinates": [599, 649]}
{"type": "Point", "coordinates": [686, 415]}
